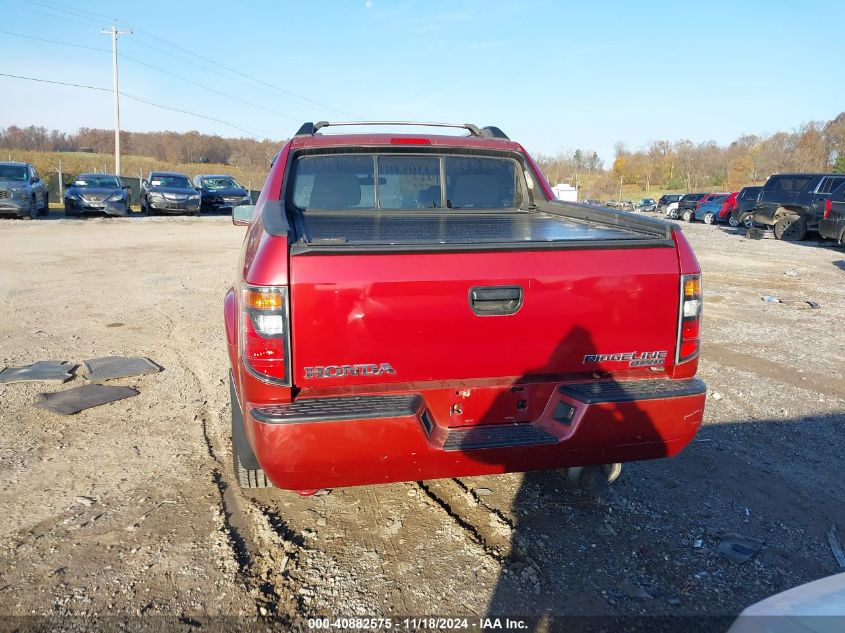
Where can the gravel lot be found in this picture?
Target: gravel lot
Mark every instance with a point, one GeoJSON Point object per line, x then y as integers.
{"type": "Point", "coordinates": [129, 509]}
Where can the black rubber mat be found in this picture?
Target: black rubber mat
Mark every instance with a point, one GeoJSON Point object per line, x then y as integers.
{"type": "Point", "coordinates": [84, 397]}
{"type": "Point", "coordinates": [111, 367]}
{"type": "Point", "coordinates": [43, 371]}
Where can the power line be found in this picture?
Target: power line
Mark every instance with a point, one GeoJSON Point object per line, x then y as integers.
{"type": "Point", "coordinates": [96, 16]}
{"type": "Point", "coordinates": [139, 99]}
{"type": "Point", "coordinates": [218, 66]}
{"type": "Point", "coordinates": [49, 15]}
{"type": "Point", "coordinates": [209, 88]}
{"type": "Point", "coordinates": [244, 75]}
{"type": "Point", "coordinates": [156, 69]}
{"type": "Point", "coordinates": [85, 14]}
{"type": "Point", "coordinates": [44, 39]}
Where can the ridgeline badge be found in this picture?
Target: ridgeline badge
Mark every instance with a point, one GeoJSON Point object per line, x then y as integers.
{"type": "Point", "coordinates": [636, 359]}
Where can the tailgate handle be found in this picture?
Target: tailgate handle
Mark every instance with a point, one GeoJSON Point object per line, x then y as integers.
{"type": "Point", "coordinates": [495, 300]}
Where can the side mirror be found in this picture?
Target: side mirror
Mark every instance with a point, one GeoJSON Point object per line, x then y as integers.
{"type": "Point", "coordinates": [242, 214]}
{"type": "Point", "coordinates": [144, 183]}
{"type": "Point", "coordinates": [126, 188]}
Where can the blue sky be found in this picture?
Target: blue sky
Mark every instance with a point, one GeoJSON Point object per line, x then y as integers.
{"type": "Point", "coordinates": [552, 75]}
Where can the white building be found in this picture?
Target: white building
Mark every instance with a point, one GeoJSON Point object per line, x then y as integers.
{"type": "Point", "coordinates": [565, 192]}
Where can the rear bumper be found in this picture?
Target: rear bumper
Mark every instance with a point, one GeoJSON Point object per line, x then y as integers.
{"type": "Point", "coordinates": [358, 440]}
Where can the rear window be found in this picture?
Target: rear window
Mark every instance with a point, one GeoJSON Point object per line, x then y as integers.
{"type": "Point", "coordinates": [787, 183]}
{"type": "Point", "coordinates": [693, 196]}
{"type": "Point", "coordinates": [830, 183]}
{"type": "Point", "coordinates": [749, 192]}
{"type": "Point", "coordinates": [839, 192]}
{"type": "Point", "coordinates": [391, 182]}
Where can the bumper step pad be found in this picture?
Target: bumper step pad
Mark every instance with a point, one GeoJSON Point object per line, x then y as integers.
{"type": "Point", "coordinates": [498, 436]}
{"type": "Point", "coordinates": [334, 409]}
{"type": "Point", "coordinates": [632, 390]}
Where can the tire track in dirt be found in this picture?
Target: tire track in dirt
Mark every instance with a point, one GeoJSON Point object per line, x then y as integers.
{"type": "Point", "coordinates": [256, 563]}
{"type": "Point", "coordinates": [486, 528]}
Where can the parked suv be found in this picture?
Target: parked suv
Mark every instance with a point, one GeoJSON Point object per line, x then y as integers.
{"type": "Point", "coordinates": [387, 325]}
{"type": "Point", "coordinates": [22, 192]}
{"type": "Point", "coordinates": [169, 192]}
{"type": "Point", "coordinates": [832, 224]}
{"type": "Point", "coordinates": [746, 201]}
{"type": "Point", "coordinates": [687, 206]}
{"type": "Point", "coordinates": [220, 193]}
{"type": "Point", "coordinates": [794, 203]}
{"type": "Point", "coordinates": [668, 203]}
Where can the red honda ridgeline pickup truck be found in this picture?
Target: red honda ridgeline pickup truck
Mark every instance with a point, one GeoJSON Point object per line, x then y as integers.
{"type": "Point", "coordinates": [411, 307]}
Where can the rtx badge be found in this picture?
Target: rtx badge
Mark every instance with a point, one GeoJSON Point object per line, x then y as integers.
{"type": "Point", "coordinates": [635, 359]}
{"type": "Point", "coordinates": [336, 371]}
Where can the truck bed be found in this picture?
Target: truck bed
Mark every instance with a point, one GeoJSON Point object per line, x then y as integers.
{"type": "Point", "coordinates": [519, 229]}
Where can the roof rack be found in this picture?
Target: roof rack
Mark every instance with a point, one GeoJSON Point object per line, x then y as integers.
{"type": "Point", "coordinates": [309, 128]}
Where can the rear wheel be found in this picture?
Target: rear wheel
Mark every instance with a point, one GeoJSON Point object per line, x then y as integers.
{"type": "Point", "coordinates": [709, 218]}
{"type": "Point", "coordinates": [688, 216]}
{"type": "Point", "coordinates": [46, 209]}
{"type": "Point", "coordinates": [792, 228]}
{"type": "Point", "coordinates": [747, 220]}
{"type": "Point", "coordinates": [246, 466]}
{"type": "Point", "coordinates": [733, 220]}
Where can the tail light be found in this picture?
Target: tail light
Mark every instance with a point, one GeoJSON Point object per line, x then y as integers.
{"type": "Point", "coordinates": [828, 207]}
{"type": "Point", "coordinates": [689, 319]}
{"type": "Point", "coordinates": [265, 333]}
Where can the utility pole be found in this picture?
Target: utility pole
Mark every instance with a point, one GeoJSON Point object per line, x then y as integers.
{"type": "Point", "coordinates": [114, 35]}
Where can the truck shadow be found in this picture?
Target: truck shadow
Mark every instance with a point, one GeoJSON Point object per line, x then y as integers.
{"type": "Point", "coordinates": [535, 578]}
{"type": "Point", "coordinates": [645, 556]}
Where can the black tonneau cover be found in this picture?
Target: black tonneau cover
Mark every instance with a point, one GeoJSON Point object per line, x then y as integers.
{"type": "Point", "coordinates": [551, 226]}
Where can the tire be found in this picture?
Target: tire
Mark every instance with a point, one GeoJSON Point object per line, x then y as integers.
{"type": "Point", "coordinates": [673, 214]}
{"type": "Point", "coordinates": [68, 212]}
{"type": "Point", "coordinates": [33, 209]}
{"type": "Point", "coordinates": [747, 220]}
{"type": "Point", "coordinates": [46, 209]}
{"type": "Point", "coordinates": [709, 218]}
{"type": "Point", "coordinates": [688, 216]}
{"type": "Point", "coordinates": [733, 220]}
{"type": "Point", "coordinates": [247, 469]}
{"type": "Point", "coordinates": [792, 228]}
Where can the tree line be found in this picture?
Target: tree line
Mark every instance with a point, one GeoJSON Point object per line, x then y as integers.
{"type": "Point", "coordinates": [170, 147]}
{"type": "Point", "coordinates": [683, 165]}
{"type": "Point", "coordinates": [662, 165]}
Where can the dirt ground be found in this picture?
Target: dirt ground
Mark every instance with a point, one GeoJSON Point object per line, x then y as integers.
{"type": "Point", "coordinates": [129, 509]}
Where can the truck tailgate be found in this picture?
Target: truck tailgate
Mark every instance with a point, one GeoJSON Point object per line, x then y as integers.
{"type": "Point", "coordinates": [370, 318]}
